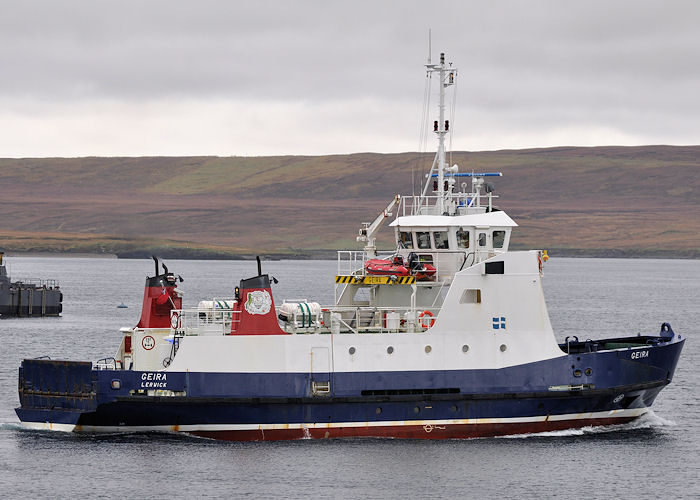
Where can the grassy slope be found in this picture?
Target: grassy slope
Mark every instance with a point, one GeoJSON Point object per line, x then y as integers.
{"type": "Point", "coordinates": [604, 201]}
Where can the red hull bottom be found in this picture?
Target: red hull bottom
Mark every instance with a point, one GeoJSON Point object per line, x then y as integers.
{"type": "Point", "coordinates": [448, 431]}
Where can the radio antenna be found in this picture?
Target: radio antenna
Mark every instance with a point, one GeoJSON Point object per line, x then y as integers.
{"type": "Point", "coordinates": [430, 45]}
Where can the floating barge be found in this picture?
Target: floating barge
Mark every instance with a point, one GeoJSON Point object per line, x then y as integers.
{"type": "Point", "coordinates": [28, 297]}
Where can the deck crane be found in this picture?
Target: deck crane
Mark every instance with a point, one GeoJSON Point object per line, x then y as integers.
{"type": "Point", "coordinates": [368, 230]}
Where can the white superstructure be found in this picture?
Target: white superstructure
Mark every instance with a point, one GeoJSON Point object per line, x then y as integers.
{"type": "Point", "coordinates": [455, 299]}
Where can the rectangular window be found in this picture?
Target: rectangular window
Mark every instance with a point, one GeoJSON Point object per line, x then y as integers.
{"type": "Point", "coordinates": [499, 238]}
{"type": "Point", "coordinates": [440, 238]}
{"type": "Point", "coordinates": [406, 239]}
{"type": "Point", "coordinates": [494, 267]}
{"type": "Point", "coordinates": [470, 297]}
{"type": "Point", "coordinates": [482, 239]}
{"type": "Point", "coordinates": [462, 238]}
{"type": "Point", "coordinates": [423, 240]}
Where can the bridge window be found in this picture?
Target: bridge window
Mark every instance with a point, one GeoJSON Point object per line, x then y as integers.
{"type": "Point", "coordinates": [423, 240]}
{"type": "Point", "coordinates": [499, 238]}
{"type": "Point", "coordinates": [440, 238]}
{"type": "Point", "coordinates": [406, 239]}
{"type": "Point", "coordinates": [482, 239]}
{"type": "Point", "coordinates": [462, 238]}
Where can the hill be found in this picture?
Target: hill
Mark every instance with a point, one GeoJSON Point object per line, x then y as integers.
{"type": "Point", "coordinates": [631, 201]}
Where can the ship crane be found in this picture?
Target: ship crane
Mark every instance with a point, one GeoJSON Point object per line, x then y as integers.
{"type": "Point", "coordinates": [370, 229]}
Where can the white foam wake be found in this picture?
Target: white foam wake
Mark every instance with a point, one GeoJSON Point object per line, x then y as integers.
{"type": "Point", "coordinates": [647, 421]}
{"type": "Point", "coordinates": [11, 426]}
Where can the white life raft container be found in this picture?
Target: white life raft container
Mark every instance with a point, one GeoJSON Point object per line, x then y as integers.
{"type": "Point", "coordinates": [301, 314]}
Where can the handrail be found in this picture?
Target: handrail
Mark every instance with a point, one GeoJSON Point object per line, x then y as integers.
{"type": "Point", "coordinates": [439, 294]}
{"type": "Point", "coordinates": [464, 202]}
{"type": "Point", "coordinates": [353, 330]}
{"type": "Point", "coordinates": [106, 364]}
{"type": "Point", "coordinates": [466, 256]}
{"type": "Point", "coordinates": [38, 282]}
{"type": "Point", "coordinates": [192, 322]}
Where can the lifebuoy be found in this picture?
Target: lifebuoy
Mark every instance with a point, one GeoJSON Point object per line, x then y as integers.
{"type": "Point", "coordinates": [431, 320]}
{"type": "Point", "coordinates": [175, 321]}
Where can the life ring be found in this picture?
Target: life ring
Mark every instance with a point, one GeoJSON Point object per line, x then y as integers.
{"type": "Point", "coordinates": [175, 321]}
{"type": "Point", "coordinates": [539, 261]}
{"type": "Point", "coordinates": [431, 321]}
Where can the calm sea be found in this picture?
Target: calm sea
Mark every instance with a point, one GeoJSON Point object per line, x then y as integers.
{"type": "Point", "coordinates": [656, 457]}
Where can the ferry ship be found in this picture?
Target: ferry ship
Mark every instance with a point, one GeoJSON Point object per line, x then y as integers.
{"type": "Point", "coordinates": [447, 337]}
{"type": "Point", "coordinates": [28, 297]}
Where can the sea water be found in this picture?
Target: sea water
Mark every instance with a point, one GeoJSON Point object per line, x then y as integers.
{"type": "Point", "coordinates": [656, 456]}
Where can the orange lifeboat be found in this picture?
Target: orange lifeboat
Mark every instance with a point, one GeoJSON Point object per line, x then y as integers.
{"type": "Point", "coordinates": [387, 267]}
{"type": "Point", "coordinates": [395, 266]}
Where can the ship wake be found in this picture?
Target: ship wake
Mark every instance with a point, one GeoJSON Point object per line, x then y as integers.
{"type": "Point", "coordinates": [647, 421]}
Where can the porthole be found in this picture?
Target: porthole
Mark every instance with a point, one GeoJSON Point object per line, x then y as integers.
{"type": "Point", "coordinates": [378, 410]}
{"type": "Point", "coordinates": [465, 348]}
{"type": "Point", "coordinates": [428, 349]}
{"type": "Point", "coordinates": [588, 372]}
{"type": "Point", "coordinates": [389, 350]}
{"type": "Point", "coordinates": [503, 347]}
{"type": "Point", "coordinates": [453, 409]}
{"type": "Point", "coordinates": [351, 350]}
{"type": "Point", "coordinates": [577, 373]}
{"type": "Point", "coordinates": [416, 409]}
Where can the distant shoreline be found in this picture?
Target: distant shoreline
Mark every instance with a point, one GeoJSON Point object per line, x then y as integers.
{"type": "Point", "coordinates": [192, 254]}
{"type": "Point", "coordinates": [623, 202]}
{"type": "Point", "coordinates": [72, 255]}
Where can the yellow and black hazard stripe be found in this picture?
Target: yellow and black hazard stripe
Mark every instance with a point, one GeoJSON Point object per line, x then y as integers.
{"type": "Point", "coordinates": [353, 280]}
{"type": "Point", "coordinates": [406, 280]}
{"type": "Point", "coordinates": [376, 280]}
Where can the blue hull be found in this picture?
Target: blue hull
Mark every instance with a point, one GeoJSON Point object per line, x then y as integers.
{"type": "Point", "coordinates": [578, 389]}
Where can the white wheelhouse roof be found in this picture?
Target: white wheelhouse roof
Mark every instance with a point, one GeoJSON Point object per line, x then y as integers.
{"type": "Point", "coordinates": [494, 219]}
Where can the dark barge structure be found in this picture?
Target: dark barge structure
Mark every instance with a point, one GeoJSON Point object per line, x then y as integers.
{"type": "Point", "coordinates": [29, 297]}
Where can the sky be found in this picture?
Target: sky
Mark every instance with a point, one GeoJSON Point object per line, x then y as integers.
{"type": "Point", "coordinates": [242, 78]}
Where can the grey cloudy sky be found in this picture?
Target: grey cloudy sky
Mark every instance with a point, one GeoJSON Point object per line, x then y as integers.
{"type": "Point", "coordinates": [133, 78]}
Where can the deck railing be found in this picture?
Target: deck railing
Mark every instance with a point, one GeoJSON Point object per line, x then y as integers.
{"type": "Point", "coordinates": [456, 203]}
{"type": "Point", "coordinates": [38, 283]}
{"type": "Point", "coordinates": [335, 319]}
{"type": "Point", "coordinates": [351, 262]}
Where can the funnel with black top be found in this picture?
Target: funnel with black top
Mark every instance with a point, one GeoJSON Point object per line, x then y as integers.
{"type": "Point", "coordinates": [159, 298]}
{"type": "Point", "coordinates": [254, 309]}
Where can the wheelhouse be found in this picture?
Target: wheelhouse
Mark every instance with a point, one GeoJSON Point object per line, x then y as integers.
{"type": "Point", "coordinates": [452, 243]}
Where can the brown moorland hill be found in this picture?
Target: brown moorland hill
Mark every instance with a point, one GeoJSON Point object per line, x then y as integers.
{"type": "Point", "coordinates": [633, 201]}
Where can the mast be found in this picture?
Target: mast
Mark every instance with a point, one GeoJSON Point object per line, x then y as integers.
{"type": "Point", "coordinates": [441, 127]}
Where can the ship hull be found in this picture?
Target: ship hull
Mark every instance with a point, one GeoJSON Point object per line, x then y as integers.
{"type": "Point", "coordinates": [82, 400]}
{"type": "Point", "coordinates": [423, 429]}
